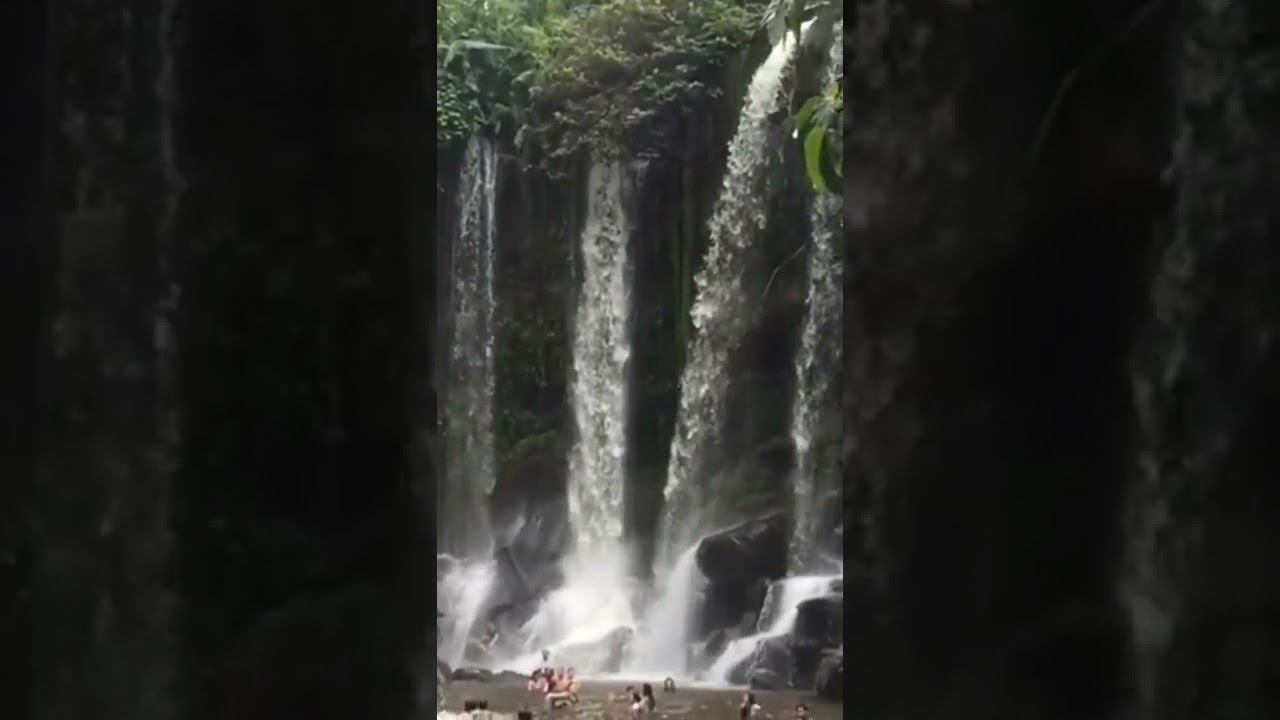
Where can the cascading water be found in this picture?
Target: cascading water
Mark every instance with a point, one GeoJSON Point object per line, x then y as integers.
{"type": "Point", "coordinates": [460, 596]}
{"type": "Point", "coordinates": [576, 621]}
{"type": "Point", "coordinates": [601, 353]}
{"type": "Point", "coordinates": [782, 607]}
{"type": "Point", "coordinates": [718, 314]}
{"type": "Point", "coordinates": [464, 530]}
{"type": "Point", "coordinates": [821, 348]}
{"type": "Point", "coordinates": [661, 646]}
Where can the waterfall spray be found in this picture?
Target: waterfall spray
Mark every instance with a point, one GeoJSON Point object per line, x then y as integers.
{"type": "Point", "coordinates": [469, 392]}
{"type": "Point", "coordinates": [601, 354]}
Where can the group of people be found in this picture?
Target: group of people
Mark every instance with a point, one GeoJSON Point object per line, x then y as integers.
{"type": "Point", "coordinates": [752, 709]}
{"type": "Point", "coordinates": [558, 686]}
{"type": "Point", "coordinates": [643, 703]}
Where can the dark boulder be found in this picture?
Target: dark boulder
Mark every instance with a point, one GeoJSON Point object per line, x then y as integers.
{"type": "Point", "coordinates": [806, 657]}
{"type": "Point", "coordinates": [820, 621]}
{"type": "Point", "coordinates": [765, 679]}
{"type": "Point", "coordinates": [819, 627]}
{"type": "Point", "coordinates": [720, 606]}
{"type": "Point", "coordinates": [472, 675]}
{"type": "Point", "coordinates": [529, 566]}
{"type": "Point", "coordinates": [744, 554]}
{"type": "Point", "coordinates": [544, 535]}
{"type": "Point", "coordinates": [532, 476]}
{"type": "Point", "coordinates": [508, 677]}
{"type": "Point", "coordinates": [772, 655]}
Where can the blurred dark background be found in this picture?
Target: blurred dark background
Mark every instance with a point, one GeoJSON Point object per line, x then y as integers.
{"type": "Point", "coordinates": [214, 397]}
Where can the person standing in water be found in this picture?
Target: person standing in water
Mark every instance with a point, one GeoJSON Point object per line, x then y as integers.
{"type": "Point", "coordinates": [650, 702]}
{"type": "Point", "coordinates": [750, 708]}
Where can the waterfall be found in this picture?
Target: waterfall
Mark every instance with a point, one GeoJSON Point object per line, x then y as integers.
{"type": "Point", "coordinates": [468, 417]}
{"type": "Point", "coordinates": [601, 353]}
{"type": "Point", "coordinates": [821, 347]}
{"type": "Point", "coordinates": [460, 596]}
{"type": "Point", "coordinates": [782, 606]}
{"type": "Point", "coordinates": [661, 648]}
{"type": "Point", "coordinates": [719, 315]}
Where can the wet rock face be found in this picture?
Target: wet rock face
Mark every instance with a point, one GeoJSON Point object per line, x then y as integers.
{"type": "Point", "coordinates": [819, 628]}
{"type": "Point", "coordinates": [532, 476]}
{"type": "Point", "coordinates": [752, 551]}
{"type": "Point", "coordinates": [821, 621]}
{"type": "Point", "coordinates": [728, 605]}
{"type": "Point", "coordinates": [770, 666]}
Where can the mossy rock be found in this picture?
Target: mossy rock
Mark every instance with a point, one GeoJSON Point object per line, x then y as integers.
{"type": "Point", "coordinates": [532, 474]}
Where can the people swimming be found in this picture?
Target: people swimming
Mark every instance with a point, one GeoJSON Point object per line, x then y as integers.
{"type": "Point", "coordinates": [669, 685]}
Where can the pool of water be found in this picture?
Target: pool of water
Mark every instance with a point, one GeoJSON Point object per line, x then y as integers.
{"type": "Point", "coordinates": [701, 703]}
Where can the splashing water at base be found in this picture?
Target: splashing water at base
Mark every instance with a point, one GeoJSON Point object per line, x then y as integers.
{"type": "Point", "coordinates": [661, 646]}
{"type": "Point", "coordinates": [575, 623]}
{"type": "Point", "coordinates": [461, 595]}
{"type": "Point", "coordinates": [781, 609]}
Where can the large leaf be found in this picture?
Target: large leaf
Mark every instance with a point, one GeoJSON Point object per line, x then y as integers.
{"type": "Point", "coordinates": [804, 118]}
{"type": "Point", "coordinates": [813, 143]}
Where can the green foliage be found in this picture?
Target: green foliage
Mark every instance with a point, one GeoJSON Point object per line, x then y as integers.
{"type": "Point", "coordinates": [820, 118]}
{"type": "Point", "coordinates": [481, 45]}
{"type": "Point", "coordinates": [563, 75]}
{"type": "Point", "coordinates": [818, 126]}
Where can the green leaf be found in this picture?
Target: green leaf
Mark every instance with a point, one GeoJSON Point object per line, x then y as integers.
{"type": "Point", "coordinates": [804, 117]}
{"type": "Point", "coordinates": [813, 143]}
